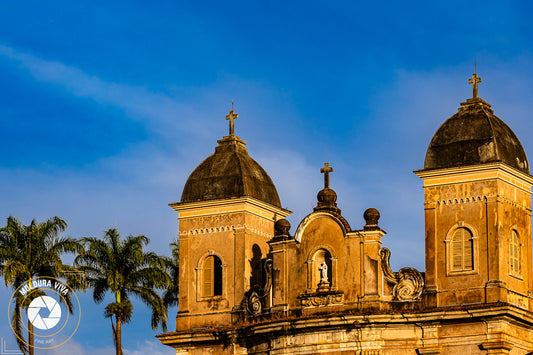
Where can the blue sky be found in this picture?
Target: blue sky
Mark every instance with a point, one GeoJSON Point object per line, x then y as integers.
{"type": "Point", "coordinates": [106, 107]}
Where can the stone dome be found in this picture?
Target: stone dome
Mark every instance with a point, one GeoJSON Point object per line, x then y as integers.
{"type": "Point", "coordinates": [474, 135]}
{"type": "Point", "coordinates": [229, 173]}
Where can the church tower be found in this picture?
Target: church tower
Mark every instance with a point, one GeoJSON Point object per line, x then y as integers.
{"type": "Point", "coordinates": [477, 211]}
{"type": "Point", "coordinates": [226, 216]}
{"type": "Point", "coordinates": [250, 286]}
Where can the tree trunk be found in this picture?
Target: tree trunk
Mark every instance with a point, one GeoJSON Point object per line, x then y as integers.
{"type": "Point", "coordinates": [119, 336]}
{"type": "Point", "coordinates": [118, 331]}
{"type": "Point", "coordinates": [30, 337]}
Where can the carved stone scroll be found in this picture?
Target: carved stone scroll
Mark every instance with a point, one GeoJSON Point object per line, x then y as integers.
{"type": "Point", "coordinates": [408, 282]}
{"type": "Point", "coordinates": [255, 301]}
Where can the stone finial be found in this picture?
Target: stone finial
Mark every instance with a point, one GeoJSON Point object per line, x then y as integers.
{"type": "Point", "coordinates": [282, 227]}
{"type": "Point", "coordinates": [327, 197]}
{"type": "Point", "coordinates": [371, 217]}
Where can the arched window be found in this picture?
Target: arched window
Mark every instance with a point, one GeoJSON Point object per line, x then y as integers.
{"type": "Point", "coordinates": [514, 253]}
{"type": "Point", "coordinates": [212, 276]}
{"type": "Point", "coordinates": [462, 257]}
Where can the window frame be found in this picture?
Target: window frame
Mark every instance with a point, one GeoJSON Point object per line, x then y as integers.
{"type": "Point", "coordinates": [200, 273]}
{"type": "Point", "coordinates": [518, 257]}
{"type": "Point", "coordinates": [449, 241]}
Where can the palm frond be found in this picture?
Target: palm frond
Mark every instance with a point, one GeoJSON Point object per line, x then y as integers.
{"type": "Point", "coordinates": [31, 251]}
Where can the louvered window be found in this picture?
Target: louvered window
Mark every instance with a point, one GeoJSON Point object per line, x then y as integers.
{"type": "Point", "coordinates": [514, 253]}
{"type": "Point", "coordinates": [462, 246]}
{"type": "Point", "coordinates": [212, 276]}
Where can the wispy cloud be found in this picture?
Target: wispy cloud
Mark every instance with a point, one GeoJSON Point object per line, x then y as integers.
{"type": "Point", "coordinates": [147, 347]}
{"type": "Point", "coordinates": [168, 111]}
{"type": "Point", "coordinates": [72, 347]}
{"type": "Point", "coordinates": [150, 347]}
{"type": "Point", "coordinates": [158, 108]}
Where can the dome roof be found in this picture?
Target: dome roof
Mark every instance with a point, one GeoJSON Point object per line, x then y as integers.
{"type": "Point", "coordinates": [229, 173]}
{"type": "Point", "coordinates": [474, 135]}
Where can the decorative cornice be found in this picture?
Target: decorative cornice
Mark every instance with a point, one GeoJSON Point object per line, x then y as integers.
{"type": "Point", "coordinates": [512, 203]}
{"type": "Point", "coordinates": [191, 206]}
{"type": "Point", "coordinates": [475, 169]}
{"type": "Point", "coordinates": [502, 345]}
{"type": "Point", "coordinates": [297, 322]}
{"type": "Point", "coordinates": [460, 200]}
{"type": "Point", "coordinates": [226, 228]}
{"type": "Point", "coordinates": [470, 199]}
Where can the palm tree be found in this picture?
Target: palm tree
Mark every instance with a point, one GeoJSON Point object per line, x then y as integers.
{"type": "Point", "coordinates": [123, 268]}
{"type": "Point", "coordinates": [33, 251]}
{"type": "Point", "coordinates": [170, 296]}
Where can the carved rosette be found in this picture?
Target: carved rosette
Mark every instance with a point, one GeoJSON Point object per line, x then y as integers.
{"type": "Point", "coordinates": [408, 282]}
{"type": "Point", "coordinates": [321, 299]}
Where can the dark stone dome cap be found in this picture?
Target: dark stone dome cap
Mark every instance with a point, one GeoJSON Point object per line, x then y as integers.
{"type": "Point", "coordinates": [327, 200]}
{"type": "Point", "coordinates": [282, 227]}
{"type": "Point", "coordinates": [371, 216]}
{"type": "Point", "coordinates": [327, 197]}
{"type": "Point", "coordinates": [229, 173]}
{"type": "Point", "coordinates": [474, 135]}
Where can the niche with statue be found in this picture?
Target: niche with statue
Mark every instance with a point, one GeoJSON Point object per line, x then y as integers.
{"type": "Point", "coordinates": [321, 276]}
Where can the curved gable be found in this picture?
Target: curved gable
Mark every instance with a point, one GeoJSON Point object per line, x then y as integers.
{"type": "Point", "coordinates": [320, 226]}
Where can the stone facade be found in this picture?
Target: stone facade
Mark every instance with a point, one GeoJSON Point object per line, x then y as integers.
{"type": "Point", "coordinates": [249, 286]}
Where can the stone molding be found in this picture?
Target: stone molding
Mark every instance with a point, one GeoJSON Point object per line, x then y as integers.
{"type": "Point", "coordinates": [321, 298]}
{"type": "Point", "coordinates": [316, 215]}
{"type": "Point", "coordinates": [470, 199]}
{"type": "Point", "coordinates": [226, 228]}
{"type": "Point", "coordinates": [497, 346]}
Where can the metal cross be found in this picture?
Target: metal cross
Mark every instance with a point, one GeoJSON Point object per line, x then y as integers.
{"type": "Point", "coordinates": [231, 117]}
{"type": "Point", "coordinates": [326, 170]}
{"type": "Point", "coordinates": [474, 80]}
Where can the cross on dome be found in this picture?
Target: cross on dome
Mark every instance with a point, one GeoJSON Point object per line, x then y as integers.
{"type": "Point", "coordinates": [326, 170]}
{"type": "Point", "coordinates": [231, 117]}
{"type": "Point", "coordinates": [474, 81]}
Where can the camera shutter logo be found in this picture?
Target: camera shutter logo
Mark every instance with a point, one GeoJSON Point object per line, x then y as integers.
{"type": "Point", "coordinates": [52, 325]}
{"type": "Point", "coordinates": [34, 312]}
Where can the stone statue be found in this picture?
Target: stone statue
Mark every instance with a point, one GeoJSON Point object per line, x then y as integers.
{"type": "Point", "coordinates": [323, 272]}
